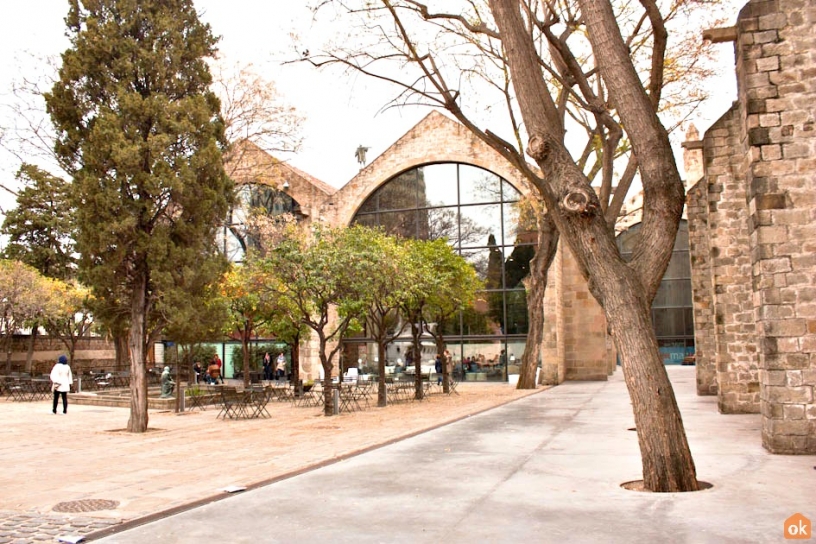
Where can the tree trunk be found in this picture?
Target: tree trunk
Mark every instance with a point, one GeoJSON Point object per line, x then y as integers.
{"type": "Point", "coordinates": [138, 375]}
{"type": "Point", "coordinates": [416, 348]}
{"type": "Point", "coordinates": [120, 347]}
{"type": "Point", "coordinates": [246, 337]}
{"type": "Point", "coordinates": [667, 462]}
{"type": "Point", "coordinates": [381, 389]}
{"type": "Point", "coordinates": [536, 284]}
{"type": "Point", "coordinates": [30, 353]}
{"type": "Point", "coordinates": [296, 360]}
{"type": "Point", "coordinates": [328, 400]}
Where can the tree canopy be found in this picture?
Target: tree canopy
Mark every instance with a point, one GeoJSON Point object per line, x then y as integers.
{"type": "Point", "coordinates": [140, 133]}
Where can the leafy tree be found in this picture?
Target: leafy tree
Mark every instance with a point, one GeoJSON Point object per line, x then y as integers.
{"type": "Point", "coordinates": [68, 316]}
{"type": "Point", "coordinates": [324, 279]}
{"type": "Point", "coordinates": [382, 318]}
{"type": "Point", "coordinates": [430, 266]}
{"type": "Point", "coordinates": [555, 64]}
{"type": "Point", "coordinates": [454, 286]}
{"type": "Point", "coordinates": [139, 131]}
{"type": "Point", "coordinates": [23, 293]}
{"type": "Point", "coordinates": [249, 305]}
{"type": "Point", "coordinates": [40, 229]}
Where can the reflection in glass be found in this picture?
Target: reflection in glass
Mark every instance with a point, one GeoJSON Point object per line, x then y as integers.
{"type": "Point", "coordinates": [366, 220]}
{"type": "Point", "coordinates": [436, 223]}
{"type": "Point", "coordinates": [479, 223]}
{"type": "Point", "coordinates": [509, 193]}
{"type": "Point", "coordinates": [476, 212]}
{"type": "Point", "coordinates": [516, 313]}
{"type": "Point", "coordinates": [517, 266]}
{"type": "Point", "coordinates": [477, 185]}
{"type": "Point", "coordinates": [440, 185]}
{"type": "Point", "coordinates": [400, 193]}
{"type": "Point", "coordinates": [482, 360]}
{"type": "Point", "coordinates": [402, 223]}
{"type": "Point", "coordinates": [479, 259]}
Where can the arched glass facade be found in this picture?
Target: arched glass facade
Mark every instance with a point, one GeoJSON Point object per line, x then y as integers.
{"type": "Point", "coordinates": [478, 213]}
{"type": "Point", "coordinates": [236, 237]}
{"type": "Point", "coordinates": [672, 309]}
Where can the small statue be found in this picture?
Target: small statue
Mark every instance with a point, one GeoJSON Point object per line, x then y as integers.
{"type": "Point", "coordinates": [360, 154]}
{"type": "Point", "coordinates": [167, 384]}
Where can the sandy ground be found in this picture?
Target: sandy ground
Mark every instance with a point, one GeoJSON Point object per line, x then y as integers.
{"type": "Point", "coordinates": [192, 456]}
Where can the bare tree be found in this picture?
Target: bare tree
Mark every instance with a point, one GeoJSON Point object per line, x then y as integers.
{"type": "Point", "coordinates": [555, 65]}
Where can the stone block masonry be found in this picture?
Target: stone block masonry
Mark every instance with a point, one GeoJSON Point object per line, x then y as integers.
{"type": "Point", "coordinates": [754, 269]}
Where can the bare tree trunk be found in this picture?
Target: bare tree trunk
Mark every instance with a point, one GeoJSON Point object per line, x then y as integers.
{"type": "Point", "coordinates": [30, 353]}
{"type": "Point", "coordinates": [624, 291]}
{"type": "Point", "coordinates": [138, 375]}
{"type": "Point", "coordinates": [416, 347]}
{"type": "Point", "coordinates": [246, 337]}
{"type": "Point", "coordinates": [536, 284]}
{"type": "Point", "coordinates": [296, 360]}
{"type": "Point", "coordinates": [120, 346]}
{"type": "Point", "coordinates": [381, 389]}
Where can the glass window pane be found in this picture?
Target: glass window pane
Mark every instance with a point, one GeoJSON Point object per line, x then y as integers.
{"type": "Point", "coordinates": [482, 360]}
{"type": "Point", "coordinates": [400, 223]}
{"type": "Point", "coordinates": [517, 266]}
{"type": "Point", "coordinates": [370, 205]}
{"type": "Point", "coordinates": [480, 225]}
{"type": "Point", "coordinates": [681, 241]}
{"type": "Point", "coordinates": [477, 185]}
{"type": "Point", "coordinates": [437, 185]}
{"type": "Point", "coordinates": [509, 192]}
{"type": "Point", "coordinates": [516, 312]}
{"type": "Point", "coordinates": [518, 229]}
{"type": "Point", "coordinates": [488, 263]}
{"type": "Point", "coordinates": [689, 321]}
{"type": "Point", "coordinates": [673, 293]}
{"type": "Point", "coordinates": [436, 223]}
{"type": "Point", "coordinates": [366, 220]}
{"type": "Point", "coordinates": [669, 321]}
{"type": "Point", "coordinates": [679, 266]}
{"type": "Point", "coordinates": [400, 193]}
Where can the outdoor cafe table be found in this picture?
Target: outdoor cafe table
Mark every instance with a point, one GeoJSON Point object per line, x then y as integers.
{"type": "Point", "coordinates": [247, 404]}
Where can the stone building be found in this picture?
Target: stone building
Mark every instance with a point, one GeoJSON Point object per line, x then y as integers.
{"type": "Point", "coordinates": [751, 235]}
{"type": "Point", "coordinates": [752, 225]}
{"type": "Point", "coordinates": [441, 180]}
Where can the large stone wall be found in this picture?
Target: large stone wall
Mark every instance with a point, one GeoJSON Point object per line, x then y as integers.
{"type": "Point", "coordinates": [760, 228]}
{"type": "Point", "coordinates": [776, 72]}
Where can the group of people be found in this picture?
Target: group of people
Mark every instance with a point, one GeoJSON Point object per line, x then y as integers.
{"type": "Point", "coordinates": [212, 375]}
{"type": "Point", "coordinates": [276, 371]}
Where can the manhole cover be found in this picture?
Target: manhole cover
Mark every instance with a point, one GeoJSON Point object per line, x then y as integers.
{"type": "Point", "coordinates": [86, 505]}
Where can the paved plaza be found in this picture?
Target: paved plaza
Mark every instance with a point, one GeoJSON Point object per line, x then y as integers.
{"type": "Point", "coordinates": [545, 468]}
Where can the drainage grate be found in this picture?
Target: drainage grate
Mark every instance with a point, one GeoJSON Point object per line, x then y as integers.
{"type": "Point", "coordinates": [86, 505]}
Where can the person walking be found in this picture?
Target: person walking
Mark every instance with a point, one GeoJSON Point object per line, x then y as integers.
{"type": "Point", "coordinates": [62, 379]}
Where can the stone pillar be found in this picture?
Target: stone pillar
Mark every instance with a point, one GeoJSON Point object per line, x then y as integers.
{"type": "Point", "coordinates": [702, 289]}
{"type": "Point", "coordinates": [575, 342]}
{"type": "Point", "coordinates": [775, 74]}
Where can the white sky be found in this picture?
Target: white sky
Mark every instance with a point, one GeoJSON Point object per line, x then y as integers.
{"type": "Point", "coordinates": [341, 111]}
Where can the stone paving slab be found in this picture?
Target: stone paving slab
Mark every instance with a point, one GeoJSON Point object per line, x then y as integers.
{"type": "Point", "coordinates": [85, 457]}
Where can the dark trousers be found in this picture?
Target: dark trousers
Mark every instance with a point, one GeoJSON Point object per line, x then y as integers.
{"type": "Point", "coordinates": [64, 401]}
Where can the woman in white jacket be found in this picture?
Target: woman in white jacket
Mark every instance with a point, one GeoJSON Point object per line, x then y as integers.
{"type": "Point", "coordinates": [62, 378]}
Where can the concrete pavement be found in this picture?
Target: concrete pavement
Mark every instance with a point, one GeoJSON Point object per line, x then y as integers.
{"type": "Point", "coordinates": [545, 468]}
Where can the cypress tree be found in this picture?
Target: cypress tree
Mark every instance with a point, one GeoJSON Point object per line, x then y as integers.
{"type": "Point", "coordinates": [140, 132]}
